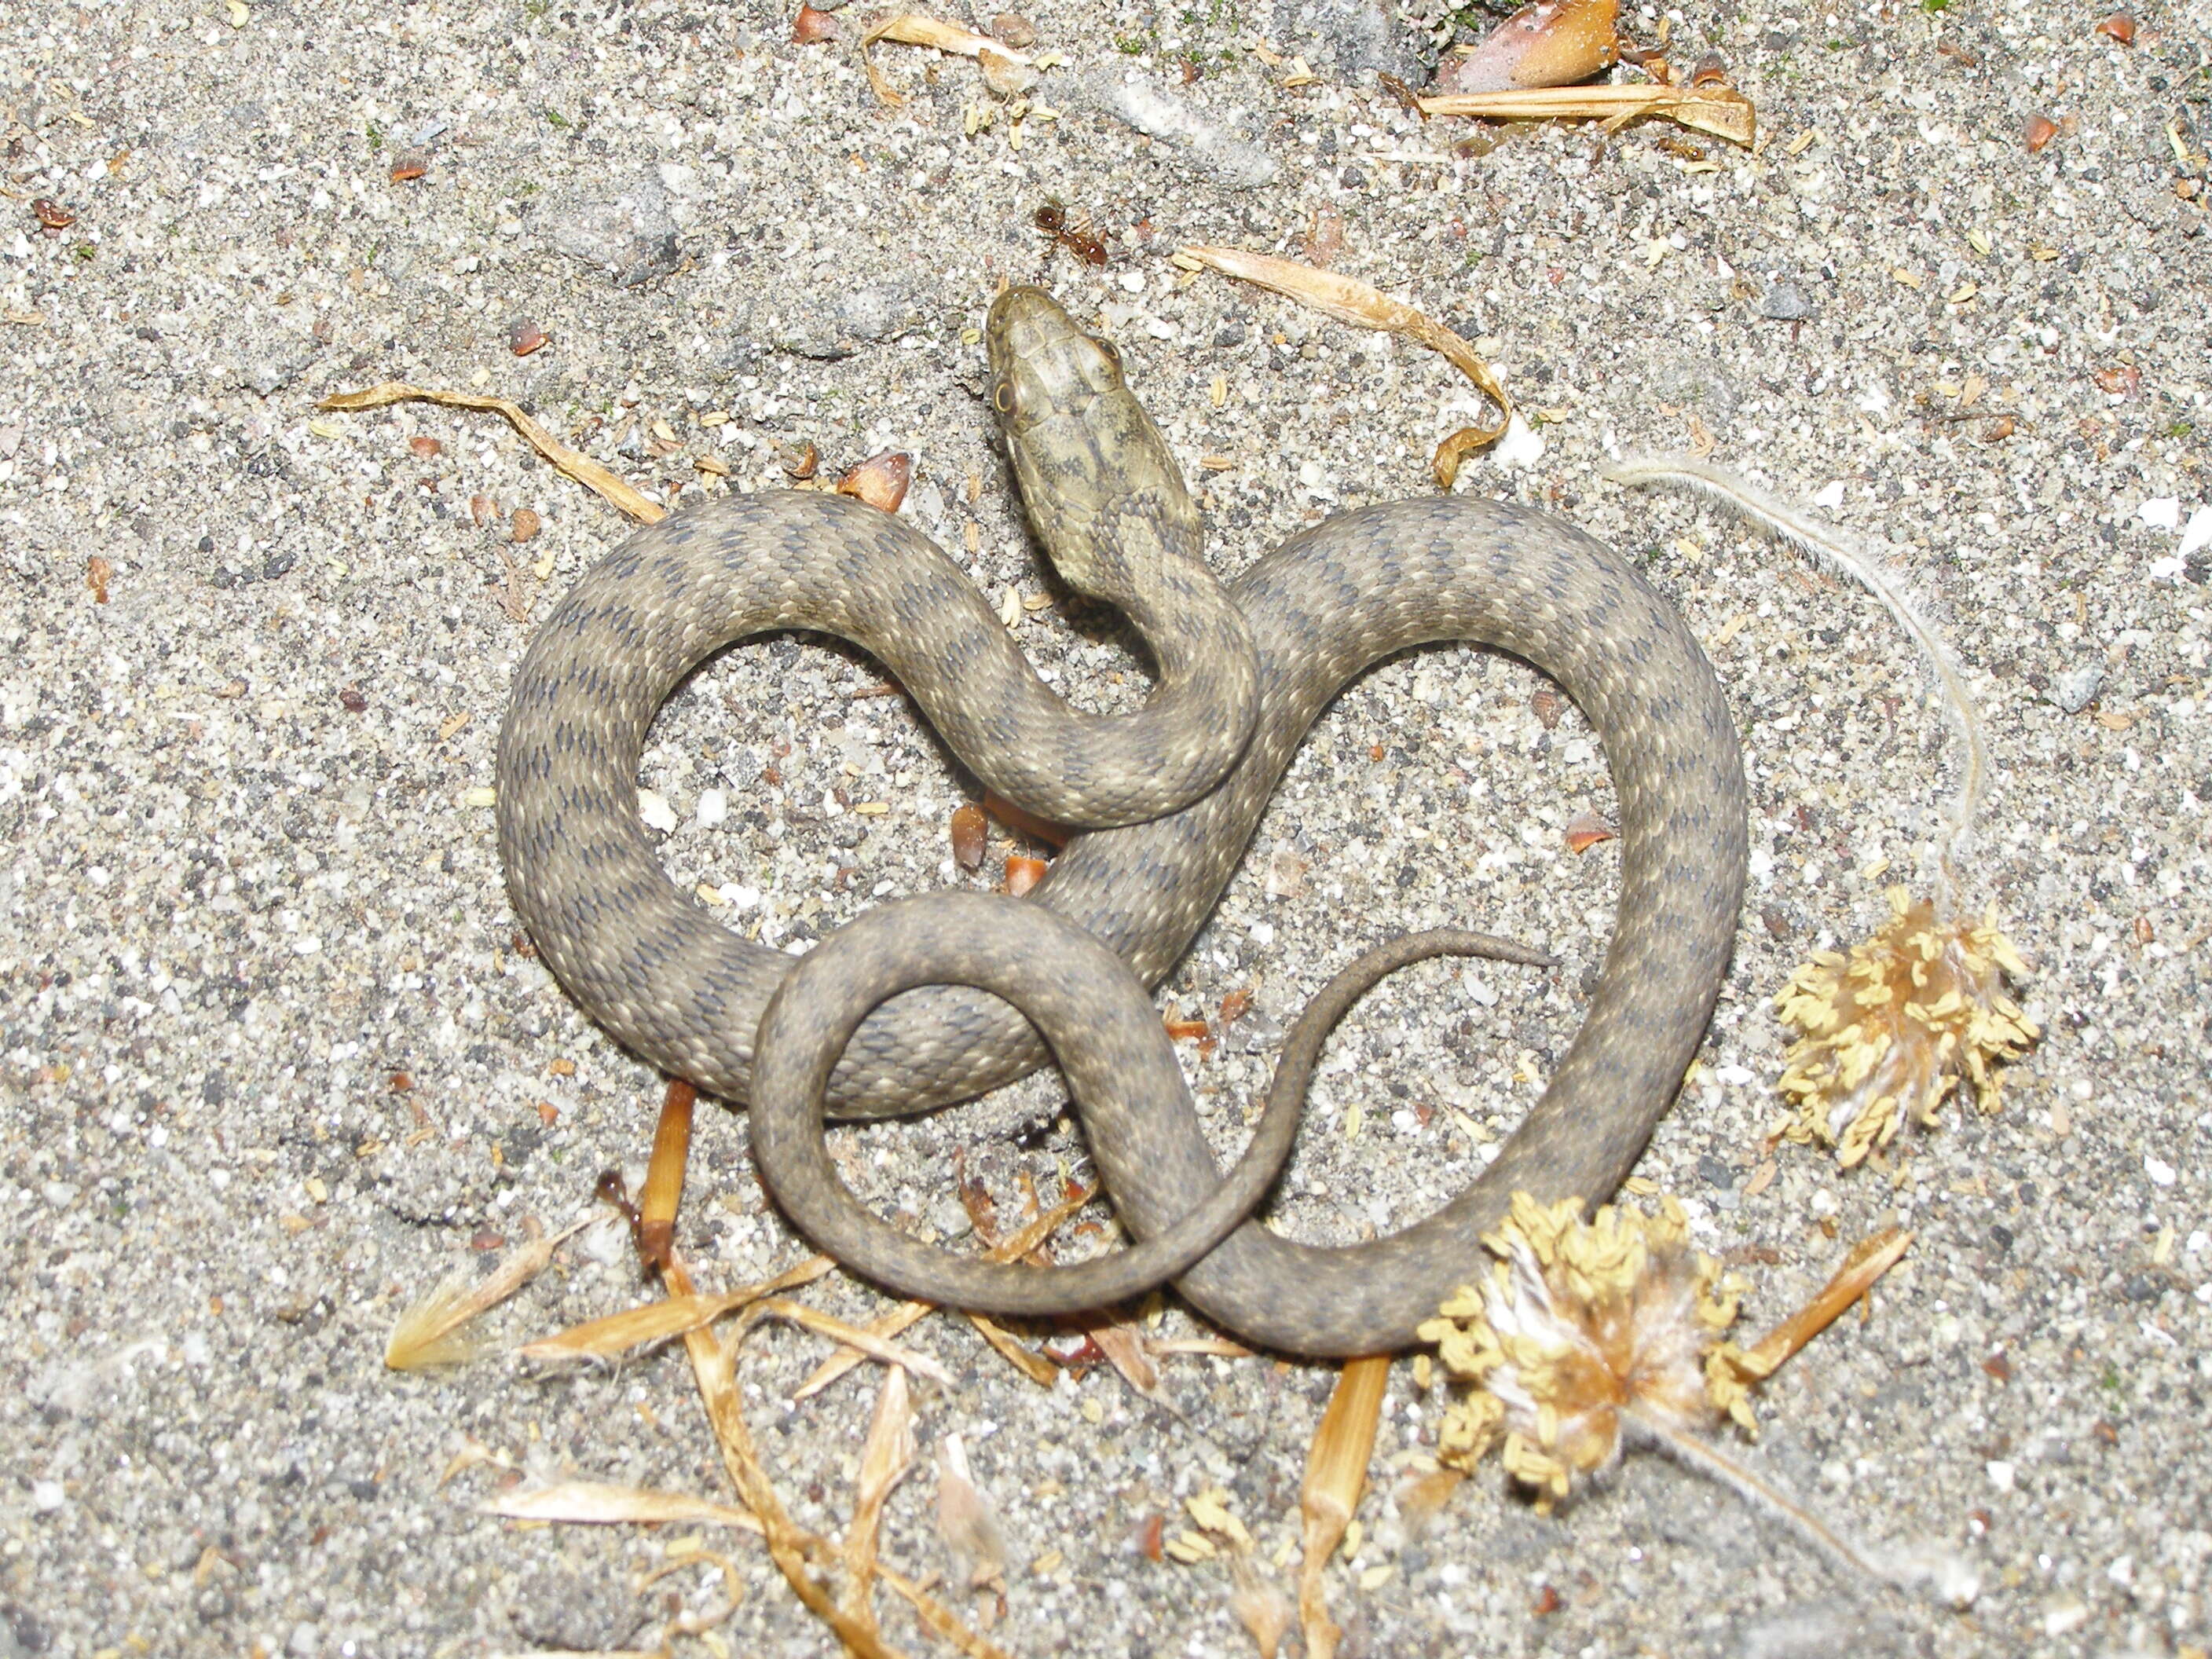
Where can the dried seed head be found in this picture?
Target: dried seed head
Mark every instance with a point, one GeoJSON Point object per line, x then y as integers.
{"type": "Point", "coordinates": [1577, 1322]}
{"type": "Point", "coordinates": [1891, 1029]}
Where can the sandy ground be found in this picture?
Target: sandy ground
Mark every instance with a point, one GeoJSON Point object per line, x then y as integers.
{"type": "Point", "coordinates": [273, 1059]}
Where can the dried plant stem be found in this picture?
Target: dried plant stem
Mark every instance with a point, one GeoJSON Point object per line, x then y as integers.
{"type": "Point", "coordinates": [1336, 1475]}
{"type": "Point", "coordinates": [1843, 553]}
{"type": "Point", "coordinates": [664, 1175]}
{"type": "Point", "coordinates": [1708, 1459]}
{"type": "Point", "coordinates": [714, 1367]}
{"type": "Point", "coordinates": [1867, 1262]}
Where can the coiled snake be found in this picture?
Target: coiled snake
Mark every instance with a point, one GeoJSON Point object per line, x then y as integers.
{"type": "Point", "coordinates": [674, 985]}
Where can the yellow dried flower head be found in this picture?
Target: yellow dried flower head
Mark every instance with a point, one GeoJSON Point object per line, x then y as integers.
{"type": "Point", "coordinates": [1577, 1322]}
{"type": "Point", "coordinates": [1891, 1029]}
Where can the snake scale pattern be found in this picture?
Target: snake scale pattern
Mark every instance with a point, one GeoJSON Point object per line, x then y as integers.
{"type": "Point", "coordinates": [688, 995]}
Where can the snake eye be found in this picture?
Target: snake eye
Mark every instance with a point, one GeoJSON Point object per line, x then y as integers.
{"type": "Point", "coordinates": [1111, 352]}
{"type": "Point", "coordinates": [1002, 396]}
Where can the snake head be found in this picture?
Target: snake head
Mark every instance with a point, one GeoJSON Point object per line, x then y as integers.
{"type": "Point", "coordinates": [1100, 487]}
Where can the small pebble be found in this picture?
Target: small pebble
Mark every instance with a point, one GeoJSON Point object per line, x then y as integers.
{"type": "Point", "coordinates": [2076, 688]}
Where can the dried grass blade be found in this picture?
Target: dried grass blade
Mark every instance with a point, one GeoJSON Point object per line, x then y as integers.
{"type": "Point", "coordinates": [1221, 1347]}
{"type": "Point", "coordinates": [1125, 1350]}
{"type": "Point", "coordinates": [593, 1503]}
{"type": "Point", "coordinates": [884, 1460]}
{"type": "Point", "coordinates": [675, 1316]}
{"type": "Point", "coordinates": [1259, 1604]}
{"type": "Point", "coordinates": [853, 1336]}
{"type": "Point", "coordinates": [912, 28]}
{"type": "Point", "coordinates": [907, 1314]}
{"type": "Point", "coordinates": [580, 467]}
{"type": "Point", "coordinates": [1035, 1366]}
{"type": "Point", "coordinates": [1336, 1475]}
{"type": "Point", "coordinates": [714, 1367]}
{"type": "Point", "coordinates": [430, 1333]}
{"type": "Point", "coordinates": [1350, 300]}
{"type": "Point", "coordinates": [939, 1618]}
{"type": "Point", "coordinates": [1868, 1262]}
{"type": "Point", "coordinates": [1721, 110]}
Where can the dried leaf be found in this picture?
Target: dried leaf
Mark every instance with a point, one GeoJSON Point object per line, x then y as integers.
{"type": "Point", "coordinates": [712, 1367]}
{"type": "Point", "coordinates": [1035, 1366]}
{"type": "Point", "coordinates": [1025, 822]}
{"type": "Point", "coordinates": [853, 1336]}
{"type": "Point", "coordinates": [1551, 43]}
{"type": "Point", "coordinates": [582, 468]}
{"type": "Point", "coordinates": [663, 1174]}
{"type": "Point", "coordinates": [1721, 110]}
{"type": "Point", "coordinates": [965, 1519]}
{"type": "Point", "coordinates": [1872, 1259]}
{"type": "Point", "coordinates": [1350, 300]}
{"type": "Point", "coordinates": [1124, 1348]}
{"type": "Point", "coordinates": [1585, 830]}
{"type": "Point", "coordinates": [970, 832]}
{"type": "Point", "coordinates": [880, 481]}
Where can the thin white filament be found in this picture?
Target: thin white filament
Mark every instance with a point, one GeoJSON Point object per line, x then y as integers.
{"type": "Point", "coordinates": [1848, 558]}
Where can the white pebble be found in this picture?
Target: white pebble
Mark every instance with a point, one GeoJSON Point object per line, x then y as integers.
{"type": "Point", "coordinates": [656, 812]}
{"type": "Point", "coordinates": [714, 807]}
{"type": "Point", "coordinates": [2157, 1169]}
{"type": "Point", "coordinates": [2000, 1473]}
{"type": "Point", "coordinates": [2198, 535]}
{"type": "Point", "coordinates": [1520, 447]}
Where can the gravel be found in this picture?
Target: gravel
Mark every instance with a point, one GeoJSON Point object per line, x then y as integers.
{"type": "Point", "coordinates": [274, 1061]}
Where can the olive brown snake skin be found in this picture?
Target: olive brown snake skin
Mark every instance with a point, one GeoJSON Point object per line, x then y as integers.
{"type": "Point", "coordinates": [688, 995]}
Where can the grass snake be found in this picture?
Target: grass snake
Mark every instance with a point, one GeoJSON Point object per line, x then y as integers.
{"type": "Point", "coordinates": [1242, 673]}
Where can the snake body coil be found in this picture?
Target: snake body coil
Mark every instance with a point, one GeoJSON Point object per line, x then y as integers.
{"type": "Point", "coordinates": [688, 995]}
